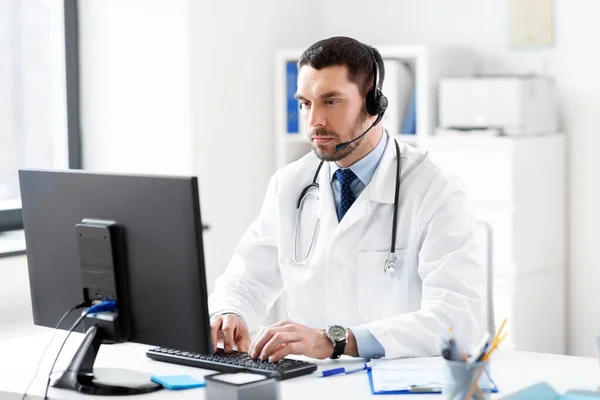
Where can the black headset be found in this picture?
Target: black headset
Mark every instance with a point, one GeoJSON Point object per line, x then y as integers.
{"type": "Point", "coordinates": [377, 103]}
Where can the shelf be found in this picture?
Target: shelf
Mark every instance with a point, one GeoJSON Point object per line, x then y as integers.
{"type": "Point", "coordinates": [467, 141]}
{"type": "Point", "coordinates": [292, 54]}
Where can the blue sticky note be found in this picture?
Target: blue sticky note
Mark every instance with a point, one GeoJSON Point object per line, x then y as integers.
{"type": "Point", "coordinates": [539, 391]}
{"type": "Point", "coordinates": [178, 382]}
{"type": "Point", "coordinates": [580, 395]}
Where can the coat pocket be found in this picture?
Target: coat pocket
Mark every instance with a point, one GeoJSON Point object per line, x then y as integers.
{"type": "Point", "coordinates": [381, 295]}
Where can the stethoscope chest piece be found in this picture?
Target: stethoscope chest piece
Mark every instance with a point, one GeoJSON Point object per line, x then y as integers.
{"type": "Point", "coordinates": [390, 265]}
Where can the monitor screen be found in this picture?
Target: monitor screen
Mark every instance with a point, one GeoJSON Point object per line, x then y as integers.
{"type": "Point", "coordinates": [162, 255]}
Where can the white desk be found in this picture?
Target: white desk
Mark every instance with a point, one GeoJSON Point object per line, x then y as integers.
{"type": "Point", "coordinates": [510, 370]}
{"type": "Point", "coordinates": [12, 243]}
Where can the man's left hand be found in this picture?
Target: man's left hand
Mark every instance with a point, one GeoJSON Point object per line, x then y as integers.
{"type": "Point", "coordinates": [286, 338]}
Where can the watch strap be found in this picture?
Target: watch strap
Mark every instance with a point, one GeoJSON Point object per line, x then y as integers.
{"type": "Point", "coordinates": [338, 349]}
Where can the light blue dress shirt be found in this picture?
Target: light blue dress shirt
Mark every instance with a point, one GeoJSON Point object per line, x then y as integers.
{"type": "Point", "coordinates": [364, 169]}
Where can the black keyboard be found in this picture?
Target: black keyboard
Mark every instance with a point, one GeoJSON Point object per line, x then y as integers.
{"type": "Point", "coordinates": [233, 362]}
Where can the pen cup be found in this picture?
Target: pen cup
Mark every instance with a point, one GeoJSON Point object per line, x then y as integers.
{"type": "Point", "coordinates": [459, 378]}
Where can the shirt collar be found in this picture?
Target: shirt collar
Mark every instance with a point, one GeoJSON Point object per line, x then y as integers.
{"type": "Point", "coordinates": [366, 166]}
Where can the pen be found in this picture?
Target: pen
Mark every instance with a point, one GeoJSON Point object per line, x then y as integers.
{"type": "Point", "coordinates": [450, 349]}
{"type": "Point", "coordinates": [342, 370]}
{"type": "Point", "coordinates": [478, 351]}
{"type": "Point", "coordinates": [453, 351]}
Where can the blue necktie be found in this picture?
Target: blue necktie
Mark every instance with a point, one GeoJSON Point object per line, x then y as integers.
{"type": "Point", "coordinates": [345, 177]}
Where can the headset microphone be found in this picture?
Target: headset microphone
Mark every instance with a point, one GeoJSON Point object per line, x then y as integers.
{"type": "Point", "coordinates": [376, 102]}
{"type": "Point", "coordinates": [342, 146]}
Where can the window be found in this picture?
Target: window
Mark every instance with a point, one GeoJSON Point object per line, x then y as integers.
{"type": "Point", "coordinates": [38, 84]}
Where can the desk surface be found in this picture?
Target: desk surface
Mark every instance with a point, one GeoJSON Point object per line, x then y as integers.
{"type": "Point", "coordinates": [510, 370]}
{"type": "Point", "coordinates": [12, 243]}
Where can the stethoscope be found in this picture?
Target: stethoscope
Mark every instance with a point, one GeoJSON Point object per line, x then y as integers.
{"type": "Point", "coordinates": [313, 190]}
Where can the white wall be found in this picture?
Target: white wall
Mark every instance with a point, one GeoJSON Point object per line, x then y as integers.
{"type": "Point", "coordinates": [232, 90]}
{"type": "Point", "coordinates": [478, 24]}
{"type": "Point", "coordinates": [578, 66]}
{"type": "Point", "coordinates": [135, 86]}
{"type": "Point", "coordinates": [15, 299]}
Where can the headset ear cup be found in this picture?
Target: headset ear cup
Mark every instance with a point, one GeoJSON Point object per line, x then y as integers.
{"type": "Point", "coordinates": [372, 103]}
{"type": "Point", "coordinates": [382, 102]}
{"type": "Point", "coordinates": [377, 105]}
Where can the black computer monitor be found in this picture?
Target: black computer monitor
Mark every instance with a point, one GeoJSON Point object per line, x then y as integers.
{"type": "Point", "coordinates": [131, 238]}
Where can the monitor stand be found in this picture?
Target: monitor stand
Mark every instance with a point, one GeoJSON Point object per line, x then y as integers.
{"type": "Point", "coordinates": [81, 375]}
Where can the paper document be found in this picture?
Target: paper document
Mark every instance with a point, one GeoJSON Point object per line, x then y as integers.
{"type": "Point", "coordinates": [389, 377]}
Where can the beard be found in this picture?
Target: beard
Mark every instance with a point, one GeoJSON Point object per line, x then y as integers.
{"type": "Point", "coordinates": [325, 154]}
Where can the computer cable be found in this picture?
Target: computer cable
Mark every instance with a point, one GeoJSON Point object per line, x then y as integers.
{"type": "Point", "coordinates": [60, 321]}
{"type": "Point", "coordinates": [105, 306]}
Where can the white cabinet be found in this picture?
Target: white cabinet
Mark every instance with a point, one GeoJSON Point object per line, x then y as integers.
{"type": "Point", "coordinates": [518, 186]}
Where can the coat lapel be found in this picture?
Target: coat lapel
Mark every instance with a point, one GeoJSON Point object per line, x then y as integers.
{"type": "Point", "coordinates": [326, 208]}
{"type": "Point", "coordinates": [380, 190]}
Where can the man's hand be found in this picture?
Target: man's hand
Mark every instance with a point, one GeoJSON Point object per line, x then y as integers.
{"type": "Point", "coordinates": [232, 329]}
{"type": "Point", "coordinates": [287, 338]}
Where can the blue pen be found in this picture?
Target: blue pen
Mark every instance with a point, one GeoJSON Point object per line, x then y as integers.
{"type": "Point", "coordinates": [342, 370]}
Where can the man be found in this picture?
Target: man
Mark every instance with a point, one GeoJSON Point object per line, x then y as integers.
{"type": "Point", "coordinates": [344, 298]}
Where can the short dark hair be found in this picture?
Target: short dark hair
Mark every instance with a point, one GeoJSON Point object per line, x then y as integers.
{"type": "Point", "coordinates": [341, 50]}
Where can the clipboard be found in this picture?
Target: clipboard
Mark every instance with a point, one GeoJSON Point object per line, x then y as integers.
{"type": "Point", "coordinates": [421, 389]}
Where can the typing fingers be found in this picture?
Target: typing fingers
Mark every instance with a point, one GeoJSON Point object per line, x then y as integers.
{"type": "Point", "coordinates": [228, 335]}
{"type": "Point", "coordinates": [278, 340]}
{"type": "Point", "coordinates": [290, 348]}
{"type": "Point", "coordinates": [262, 339]}
{"type": "Point", "coordinates": [243, 342]}
{"type": "Point", "coordinates": [215, 327]}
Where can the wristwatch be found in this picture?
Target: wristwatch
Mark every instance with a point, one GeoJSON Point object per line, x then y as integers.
{"type": "Point", "coordinates": [339, 337]}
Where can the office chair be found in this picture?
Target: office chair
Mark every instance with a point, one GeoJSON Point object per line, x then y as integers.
{"type": "Point", "coordinates": [485, 239]}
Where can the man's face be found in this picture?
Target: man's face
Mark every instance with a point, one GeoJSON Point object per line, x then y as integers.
{"type": "Point", "coordinates": [333, 110]}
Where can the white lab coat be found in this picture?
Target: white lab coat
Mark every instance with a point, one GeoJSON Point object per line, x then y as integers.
{"type": "Point", "coordinates": [438, 283]}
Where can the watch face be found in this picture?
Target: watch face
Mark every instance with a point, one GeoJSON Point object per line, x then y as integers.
{"type": "Point", "coordinates": [337, 333]}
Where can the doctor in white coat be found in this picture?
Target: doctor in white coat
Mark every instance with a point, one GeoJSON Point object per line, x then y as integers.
{"type": "Point", "coordinates": [332, 259]}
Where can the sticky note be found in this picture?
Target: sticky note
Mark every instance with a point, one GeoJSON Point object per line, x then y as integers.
{"type": "Point", "coordinates": [542, 391]}
{"type": "Point", "coordinates": [178, 382]}
{"type": "Point", "coordinates": [580, 395]}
